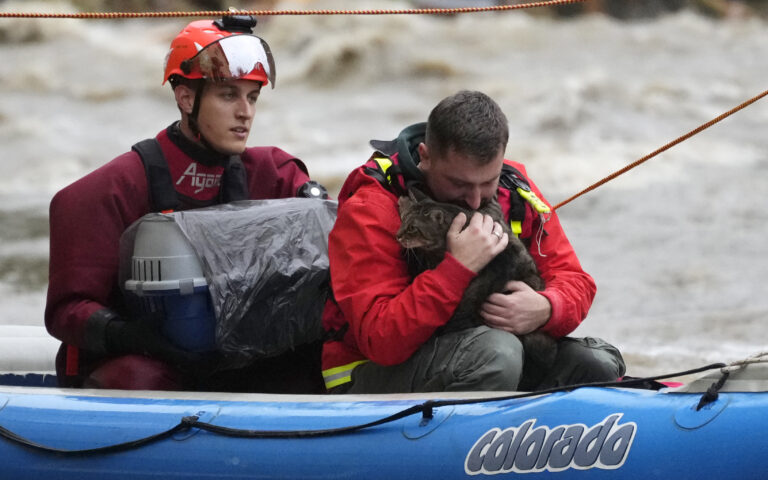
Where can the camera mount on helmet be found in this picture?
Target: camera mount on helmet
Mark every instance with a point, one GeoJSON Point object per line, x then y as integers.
{"type": "Point", "coordinates": [237, 23]}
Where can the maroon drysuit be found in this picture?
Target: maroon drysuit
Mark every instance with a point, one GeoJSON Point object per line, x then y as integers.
{"type": "Point", "coordinates": [87, 219]}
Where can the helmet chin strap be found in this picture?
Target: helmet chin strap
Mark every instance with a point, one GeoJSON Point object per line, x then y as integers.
{"type": "Point", "coordinates": [192, 120]}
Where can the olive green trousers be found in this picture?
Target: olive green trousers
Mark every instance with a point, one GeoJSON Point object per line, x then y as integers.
{"type": "Point", "coordinates": [487, 359]}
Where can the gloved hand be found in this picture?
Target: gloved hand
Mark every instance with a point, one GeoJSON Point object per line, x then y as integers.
{"type": "Point", "coordinates": [142, 336]}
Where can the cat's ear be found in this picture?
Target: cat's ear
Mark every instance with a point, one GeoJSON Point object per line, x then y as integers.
{"type": "Point", "coordinates": [416, 195]}
{"type": "Point", "coordinates": [404, 202]}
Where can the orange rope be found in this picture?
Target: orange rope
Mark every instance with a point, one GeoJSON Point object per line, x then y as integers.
{"type": "Point", "coordinates": [416, 11]}
{"type": "Point", "coordinates": [214, 13]}
{"type": "Point", "coordinates": [662, 149]}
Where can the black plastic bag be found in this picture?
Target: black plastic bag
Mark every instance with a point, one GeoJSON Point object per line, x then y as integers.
{"type": "Point", "coordinates": [266, 264]}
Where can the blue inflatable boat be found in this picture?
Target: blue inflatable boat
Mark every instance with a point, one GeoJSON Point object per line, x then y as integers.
{"type": "Point", "coordinates": [713, 427]}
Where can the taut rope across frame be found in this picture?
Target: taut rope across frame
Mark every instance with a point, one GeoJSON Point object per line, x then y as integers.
{"type": "Point", "coordinates": [218, 13]}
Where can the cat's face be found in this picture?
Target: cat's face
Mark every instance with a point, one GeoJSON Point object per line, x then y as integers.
{"type": "Point", "coordinates": [424, 222]}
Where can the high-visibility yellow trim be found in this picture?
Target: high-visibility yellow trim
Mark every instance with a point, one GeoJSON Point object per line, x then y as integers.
{"type": "Point", "coordinates": [384, 164]}
{"type": "Point", "coordinates": [336, 376]}
{"type": "Point", "coordinates": [517, 227]}
{"type": "Point", "coordinates": [336, 370]}
{"type": "Point", "coordinates": [338, 381]}
{"type": "Point", "coordinates": [535, 201]}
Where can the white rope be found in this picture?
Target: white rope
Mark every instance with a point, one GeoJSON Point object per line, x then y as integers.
{"type": "Point", "coordinates": [761, 357]}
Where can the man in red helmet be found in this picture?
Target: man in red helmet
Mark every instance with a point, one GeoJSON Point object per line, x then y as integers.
{"type": "Point", "coordinates": [217, 70]}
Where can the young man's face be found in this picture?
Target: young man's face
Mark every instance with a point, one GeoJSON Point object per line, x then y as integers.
{"type": "Point", "coordinates": [226, 114]}
{"type": "Point", "coordinates": [459, 179]}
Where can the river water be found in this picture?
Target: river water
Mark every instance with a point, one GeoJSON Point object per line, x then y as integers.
{"type": "Point", "coordinates": [676, 246]}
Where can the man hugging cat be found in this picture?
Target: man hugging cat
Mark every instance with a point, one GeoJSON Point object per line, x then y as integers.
{"type": "Point", "coordinates": [387, 323]}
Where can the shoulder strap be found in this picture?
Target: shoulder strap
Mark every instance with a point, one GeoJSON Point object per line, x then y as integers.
{"type": "Point", "coordinates": [514, 181]}
{"type": "Point", "coordinates": [395, 160]}
{"type": "Point", "coordinates": [162, 195]}
{"type": "Point", "coordinates": [387, 173]}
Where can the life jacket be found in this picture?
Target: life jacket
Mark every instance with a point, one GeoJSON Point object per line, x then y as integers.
{"type": "Point", "coordinates": [394, 166]}
{"type": "Point", "coordinates": [163, 197]}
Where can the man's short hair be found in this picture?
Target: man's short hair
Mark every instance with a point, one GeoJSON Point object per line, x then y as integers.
{"type": "Point", "coordinates": [470, 123]}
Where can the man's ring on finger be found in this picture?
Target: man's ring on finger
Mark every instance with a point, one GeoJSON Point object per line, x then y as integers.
{"type": "Point", "coordinates": [496, 232]}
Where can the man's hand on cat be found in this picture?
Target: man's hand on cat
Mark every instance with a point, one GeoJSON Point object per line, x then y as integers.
{"type": "Point", "coordinates": [477, 244]}
{"type": "Point", "coordinates": [520, 310]}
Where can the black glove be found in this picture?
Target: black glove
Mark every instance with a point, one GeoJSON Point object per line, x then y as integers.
{"type": "Point", "coordinates": [142, 336]}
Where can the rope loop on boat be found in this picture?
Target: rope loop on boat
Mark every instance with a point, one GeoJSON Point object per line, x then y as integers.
{"type": "Point", "coordinates": [711, 395]}
{"type": "Point", "coordinates": [185, 424]}
{"type": "Point", "coordinates": [219, 13]}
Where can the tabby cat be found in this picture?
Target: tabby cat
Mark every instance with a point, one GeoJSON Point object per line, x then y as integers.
{"type": "Point", "coordinates": [422, 234]}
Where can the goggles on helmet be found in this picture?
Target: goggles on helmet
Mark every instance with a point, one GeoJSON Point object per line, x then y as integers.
{"type": "Point", "coordinates": [231, 58]}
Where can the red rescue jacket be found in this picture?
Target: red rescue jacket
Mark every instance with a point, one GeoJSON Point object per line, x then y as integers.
{"type": "Point", "coordinates": [383, 315]}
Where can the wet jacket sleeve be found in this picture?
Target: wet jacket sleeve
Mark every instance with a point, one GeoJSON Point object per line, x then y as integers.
{"type": "Point", "coordinates": [87, 219]}
{"type": "Point", "coordinates": [569, 289]}
{"type": "Point", "coordinates": [389, 315]}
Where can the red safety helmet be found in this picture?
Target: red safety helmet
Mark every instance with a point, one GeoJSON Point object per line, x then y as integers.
{"type": "Point", "coordinates": [220, 50]}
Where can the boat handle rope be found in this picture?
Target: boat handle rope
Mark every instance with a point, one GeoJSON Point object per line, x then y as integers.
{"type": "Point", "coordinates": [712, 393]}
{"type": "Point", "coordinates": [231, 11]}
{"type": "Point", "coordinates": [119, 447]}
{"type": "Point", "coordinates": [426, 409]}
